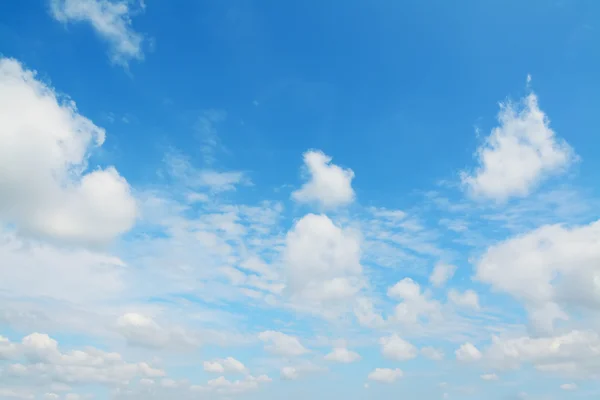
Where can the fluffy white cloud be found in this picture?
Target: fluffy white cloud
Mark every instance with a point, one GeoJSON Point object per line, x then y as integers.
{"type": "Point", "coordinates": [342, 355]}
{"type": "Point", "coordinates": [468, 353]}
{"type": "Point", "coordinates": [518, 154]}
{"type": "Point", "coordinates": [385, 375]}
{"type": "Point", "coordinates": [442, 272]}
{"type": "Point", "coordinates": [468, 298]}
{"type": "Point", "coordinates": [226, 365]}
{"type": "Point", "coordinates": [322, 260]}
{"type": "Point", "coordinates": [415, 305]}
{"type": "Point", "coordinates": [110, 19]}
{"type": "Point", "coordinates": [329, 185]}
{"type": "Point", "coordinates": [396, 348]}
{"type": "Point", "coordinates": [281, 344]}
{"type": "Point", "coordinates": [551, 268]}
{"type": "Point", "coordinates": [45, 187]}
{"type": "Point", "coordinates": [141, 330]}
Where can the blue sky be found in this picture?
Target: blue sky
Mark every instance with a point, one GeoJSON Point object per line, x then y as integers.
{"type": "Point", "coordinates": [258, 199]}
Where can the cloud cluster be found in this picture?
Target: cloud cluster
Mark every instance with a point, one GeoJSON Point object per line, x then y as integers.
{"type": "Point", "coordinates": [329, 185]}
{"type": "Point", "coordinates": [220, 265]}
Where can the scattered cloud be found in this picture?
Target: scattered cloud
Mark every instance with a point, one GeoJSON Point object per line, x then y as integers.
{"type": "Point", "coordinates": [467, 299]}
{"type": "Point", "coordinates": [161, 271]}
{"type": "Point", "coordinates": [518, 154]}
{"type": "Point", "coordinates": [289, 374]}
{"type": "Point", "coordinates": [441, 274]}
{"type": "Point", "coordinates": [111, 20]}
{"type": "Point", "coordinates": [227, 365]}
{"type": "Point", "coordinates": [281, 344]}
{"type": "Point", "coordinates": [432, 353]}
{"type": "Point", "coordinates": [141, 330]}
{"type": "Point", "coordinates": [329, 185]}
{"type": "Point", "coordinates": [385, 375]}
{"type": "Point", "coordinates": [468, 353]}
{"type": "Point", "coordinates": [489, 377]}
{"type": "Point", "coordinates": [415, 306]}
{"type": "Point", "coordinates": [396, 348]}
{"type": "Point", "coordinates": [342, 355]}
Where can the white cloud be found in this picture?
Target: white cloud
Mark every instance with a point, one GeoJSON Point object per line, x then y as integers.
{"type": "Point", "coordinates": [141, 330]}
{"type": "Point", "coordinates": [441, 274]}
{"type": "Point", "coordinates": [35, 269]}
{"type": "Point", "coordinates": [180, 168]}
{"type": "Point", "coordinates": [214, 367]}
{"type": "Point", "coordinates": [342, 355]}
{"type": "Point", "coordinates": [8, 350]}
{"type": "Point", "coordinates": [396, 348]}
{"type": "Point", "coordinates": [366, 314]}
{"type": "Point", "coordinates": [385, 375]}
{"type": "Point", "coordinates": [432, 353]}
{"type": "Point", "coordinates": [489, 377]}
{"type": "Point", "coordinates": [549, 269]}
{"type": "Point", "coordinates": [282, 344]}
{"type": "Point", "coordinates": [15, 394]}
{"type": "Point", "coordinates": [322, 260]}
{"type": "Point", "coordinates": [415, 305]}
{"type": "Point", "coordinates": [468, 353]}
{"type": "Point", "coordinates": [300, 368]}
{"type": "Point", "coordinates": [223, 386]}
{"type": "Point", "coordinates": [111, 20]}
{"type": "Point", "coordinates": [45, 187]}
{"type": "Point", "coordinates": [46, 364]}
{"type": "Point", "coordinates": [575, 354]}
{"type": "Point", "coordinates": [568, 386]}
{"type": "Point", "coordinates": [467, 299]}
{"type": "Point", "coordinates": [518, 154]}
{"type": "Point", "coordinates": [289, 374]}
{"type": "Point", "coordinates": [226, 365]}
{"type": "Point", "coordinates": [329, 185]}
